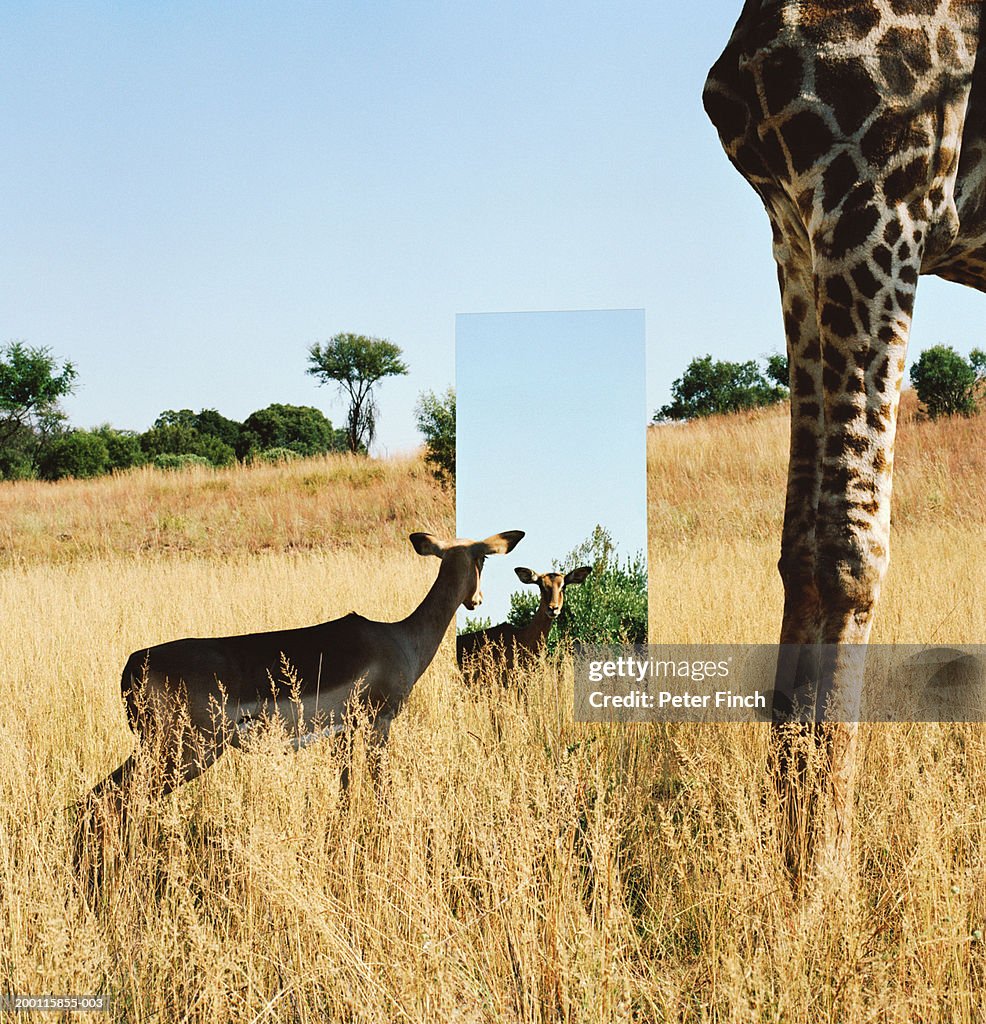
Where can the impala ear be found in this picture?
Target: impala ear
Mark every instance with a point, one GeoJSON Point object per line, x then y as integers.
{"type": "Point", "coordinates": [578, 575]}
{"type": "Point", "coordinates": [526, 575]}
{"type": "Point", "coordinates": [427, 544]}
{"type": "Point", "coordinates": [501, 543]}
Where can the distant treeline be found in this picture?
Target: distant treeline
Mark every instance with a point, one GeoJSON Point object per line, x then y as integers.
{"type": "Point", "coordinates": [947, 384]}
{"type": "Point", "coordinates": [175, 439]}
{"type": "Point", "coordinates": [37, 443]}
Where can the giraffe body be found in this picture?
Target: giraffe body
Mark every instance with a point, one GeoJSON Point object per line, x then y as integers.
{"type": "Point", "coordinates": [862, 127]}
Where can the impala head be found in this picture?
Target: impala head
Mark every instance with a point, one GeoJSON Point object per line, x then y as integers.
{"type": "Point", "coordinates": [464, 558]}
{"type": "Point", "coordinates": [552, 585]}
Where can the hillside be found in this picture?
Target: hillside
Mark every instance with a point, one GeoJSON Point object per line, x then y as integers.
{"type": "Point", "coordinates": [336, 501]}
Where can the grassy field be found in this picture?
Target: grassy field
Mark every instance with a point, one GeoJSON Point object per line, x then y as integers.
{"type": "Point", "coordinates": [509, 865]}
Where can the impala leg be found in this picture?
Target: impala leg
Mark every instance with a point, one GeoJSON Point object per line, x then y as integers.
{"type": "Point", "coordinates": [102, 816]}
{"type": "Point", "coordinates": [100, 813]}
{"type": "Point", "coordinates": [377, 735]}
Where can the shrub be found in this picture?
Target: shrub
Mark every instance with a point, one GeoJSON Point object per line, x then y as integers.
{"type": "Point", "coordinates": [777, 369]}
{"type": "Point", "coordinates": [436, 422]}
{"type": "Point", "coordinates": [302, 428]}
{"type": "Point", "coordinates": [16, 464]}
{"type": "Point", "coordinates": [169, 460]}
{"type": "Point", "coordinates": [213, 423]}
{"type": "Point", "coordinates": [180, 439]}
{"type": "Point", "coordinates": [275, 455]}
{"type": "Point", "coordinates": [122, 446]}
{"type": "Point", "coordinates": [31, 387]}
{"type": "Point", "coordinates": [472, 624]}
{"type": "Point", "coordinates": [609, 608]}
{"type": "Point", "coordinates": [184, 428]}
{"type": "Point", "coordinates": [714, 386]}
{"type": "Point", "coordinates": [80, 454]}
{"type": "Point", "coordinates": [946, 383]}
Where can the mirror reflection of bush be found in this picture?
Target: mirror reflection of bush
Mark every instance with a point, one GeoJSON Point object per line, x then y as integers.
{"type": "Point", "coordinates": [436, 422]}
{"type": "Point", "coordinates": [609, 607]}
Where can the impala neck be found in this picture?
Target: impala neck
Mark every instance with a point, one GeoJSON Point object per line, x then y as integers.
{"type": "Point", "coordinates": [427, 625]}
{"type": "Point", "coordinates": [535, 633]}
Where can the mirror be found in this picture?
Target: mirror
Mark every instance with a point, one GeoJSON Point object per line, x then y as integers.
{"type": "Point", "coordinates": [551, 423]}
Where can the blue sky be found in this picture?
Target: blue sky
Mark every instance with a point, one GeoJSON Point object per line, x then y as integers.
{"type": "Point", "coordinates": [195, 193]}
{"type": "Point", "coordinates": [550, 408]}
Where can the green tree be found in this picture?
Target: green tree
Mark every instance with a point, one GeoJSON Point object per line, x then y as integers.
{"type": "Point", "coordinates": [610, 607]}
{"type": "Point", "coordinates": [356, 363]}
{"type": "Point", "coordinates": [175, 418]}
{"type": "Point", "coordinates": [16, 460]}
{"type": "Point", "coordinates": [301, 428]}
{"type": "Point", "coordinates": [78, 453]}
{"type": "Point", "coordinates": [946, 383]}
{"type": "Point", "coordinates": [176, 438]}
{"type": "Point", "coordinates": [436, 422]}
{"type": "Point", "coordinates": [31, 385]}
{"type": "Point", "coordinates": [714, 386]}
{"type": "Point", "coordinates": [205, 421]}
{"type": "Point", "coordinates": [122, 447]}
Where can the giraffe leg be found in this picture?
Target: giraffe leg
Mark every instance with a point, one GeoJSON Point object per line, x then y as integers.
{"type": "Point", "coordinates": [833, 569]}
{"type": "Point", "coordinates": [794, 740]}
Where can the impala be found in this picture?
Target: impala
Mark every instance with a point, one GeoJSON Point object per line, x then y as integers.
{"type": "Point", "coordinates": [508, 644]}
{"type": "Point", "coordinates": [197, 696]}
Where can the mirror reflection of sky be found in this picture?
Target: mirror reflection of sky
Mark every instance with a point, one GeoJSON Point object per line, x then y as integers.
{"type": "Point", "coordinates": [550, 436]}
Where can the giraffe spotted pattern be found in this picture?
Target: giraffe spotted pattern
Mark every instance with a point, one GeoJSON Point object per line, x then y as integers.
{"type": "Point", "coordinates": [862, 127]}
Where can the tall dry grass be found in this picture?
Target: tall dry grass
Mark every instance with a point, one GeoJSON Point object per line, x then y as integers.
{"type": "Point", "coordinates": [715, 510]}
{"type": "Point", "coordinates": [509, 864]}
{"type": "Point", "coordinates": [338, 501]}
